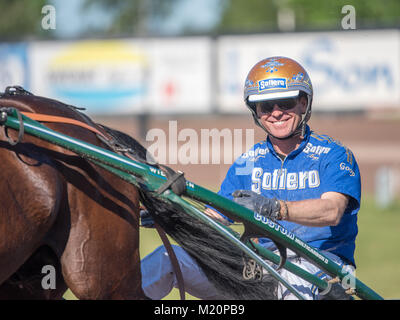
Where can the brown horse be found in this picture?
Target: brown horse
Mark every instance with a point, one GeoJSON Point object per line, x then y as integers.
{"type": "Point", "coordinates": [60, 210]}
{"type": "Point", "coordinates": [63, 211]}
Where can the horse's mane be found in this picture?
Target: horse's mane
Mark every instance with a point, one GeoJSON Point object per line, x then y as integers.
{"type": "Point", "coordinates": [218, 258]}
{"type": "Point", "coordinates": [129, 145]}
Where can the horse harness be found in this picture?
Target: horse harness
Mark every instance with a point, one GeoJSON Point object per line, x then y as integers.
{"type": "Point", "coordinates": [175, 180]}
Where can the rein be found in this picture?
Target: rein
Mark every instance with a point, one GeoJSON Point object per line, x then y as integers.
{"type": "Point", "coordinates": [55, 119]}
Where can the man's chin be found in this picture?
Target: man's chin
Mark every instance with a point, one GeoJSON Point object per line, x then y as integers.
{"type": "Point", "coordinates": [278, 134]}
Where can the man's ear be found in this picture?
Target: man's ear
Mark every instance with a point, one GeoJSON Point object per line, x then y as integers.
{"type": "Point", "coordinates": [303, 102]}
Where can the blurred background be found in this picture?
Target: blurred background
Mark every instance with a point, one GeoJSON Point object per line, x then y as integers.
{"type": "Point", "coordinates": [171, 73]}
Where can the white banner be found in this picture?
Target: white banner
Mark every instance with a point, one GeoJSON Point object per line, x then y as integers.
{"type": "Point", "coordinates": [102, 76]}
{"type": "Point", "coordinates": [125, 76]}
{"type": "Point", "coordinates": [180, 74]}
{"type": "Point", "coordinates": [348, 69]}
{"type": "Point", "coordinates": [13, 65]}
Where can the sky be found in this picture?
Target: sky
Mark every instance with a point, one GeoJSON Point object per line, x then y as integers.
{"type": "Point", "coordinates": [196, 14]}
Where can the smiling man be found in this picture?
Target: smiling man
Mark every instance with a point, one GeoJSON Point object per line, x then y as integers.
{"type": "Point", "coordinates": [300, 180]}
{"type": "Point", "coordinates": [308, 182]}
{"type": "Point", "coordinates": [279, 93]}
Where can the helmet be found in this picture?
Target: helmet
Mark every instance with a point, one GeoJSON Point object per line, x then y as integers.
{"type": "Point", "coordinates": [277, 78]}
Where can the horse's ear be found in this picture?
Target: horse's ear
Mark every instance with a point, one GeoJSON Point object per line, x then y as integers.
{"type": "Point", "coordinates": [17, 90]}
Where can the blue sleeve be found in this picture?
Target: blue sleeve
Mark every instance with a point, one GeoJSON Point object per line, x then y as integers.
{"type": "Point", "coordinates": [231, 183]}
{"type": "Point", "coordinates": [340, 173]}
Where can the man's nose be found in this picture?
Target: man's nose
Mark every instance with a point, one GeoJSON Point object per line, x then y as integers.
{"type": "Point", "coordinates": [276, 109]}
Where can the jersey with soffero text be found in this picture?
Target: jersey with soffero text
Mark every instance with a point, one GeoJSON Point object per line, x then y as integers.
{"type": "Point", "coordinates": [320, 164]}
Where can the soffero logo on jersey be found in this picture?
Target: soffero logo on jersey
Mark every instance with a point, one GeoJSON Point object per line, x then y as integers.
{"type": "Point", "coordinates": [283, 180]}
{"type": "Point", "coordinates": [254, 155]}
{"type": "Point", "coordinates": [274, 83]}
{"type": "Point", "coordinates": [105, 76]}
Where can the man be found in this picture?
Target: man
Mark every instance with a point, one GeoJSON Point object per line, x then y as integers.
{"type": "Point", "coordinates": [310, 183]}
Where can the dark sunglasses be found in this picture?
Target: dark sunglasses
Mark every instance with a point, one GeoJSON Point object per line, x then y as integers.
{"type": "Point", "coordinates": [283, 104]}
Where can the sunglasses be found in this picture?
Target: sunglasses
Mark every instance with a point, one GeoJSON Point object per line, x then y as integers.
{"type": "Point", "coordinates": [283, 104]}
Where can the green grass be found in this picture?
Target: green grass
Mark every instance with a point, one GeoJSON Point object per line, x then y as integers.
{"type": "Point", "coordinates": [377, 253]}
{"type": "Point", "coordinates": [377, 248]}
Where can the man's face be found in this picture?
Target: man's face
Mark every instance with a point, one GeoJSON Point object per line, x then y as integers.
{"type": "Point", "coordinates": [281, 117]}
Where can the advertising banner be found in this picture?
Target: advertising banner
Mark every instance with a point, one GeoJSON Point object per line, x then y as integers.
{"type": "Point", "coordinates": [125, 76]}
{"type": "Point", "coordinates": [13, 65]}
{"type": "Point", "coordinates": [180, 75]}
{"type": "Point", "coordinates": [103, 76]}
{"type": "Point", "coordinates": [349, 69]}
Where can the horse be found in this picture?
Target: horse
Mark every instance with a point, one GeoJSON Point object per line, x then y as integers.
{"type": "Point", "coordinates": [61, 210]}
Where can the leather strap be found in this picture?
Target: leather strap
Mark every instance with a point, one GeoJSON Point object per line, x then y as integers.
{"type": "Point", "coordinates": [174, 261]}
{"type": "Point", "coordinates": [48, 118]}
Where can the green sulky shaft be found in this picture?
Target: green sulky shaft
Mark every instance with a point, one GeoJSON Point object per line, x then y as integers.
{"type": "Point", "coordinates": [261, 251]}
{"type": "Point", "coordinates": [154, 178]}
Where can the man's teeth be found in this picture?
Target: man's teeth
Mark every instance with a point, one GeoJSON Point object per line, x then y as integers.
{"type": "Point", "coordinates": [279, 122]}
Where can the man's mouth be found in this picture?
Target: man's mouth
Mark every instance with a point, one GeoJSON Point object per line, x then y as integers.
{"type": "Point", "coordinates": [280, 122]}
